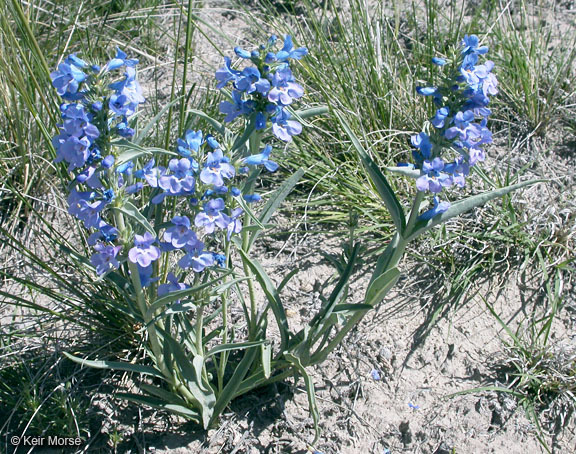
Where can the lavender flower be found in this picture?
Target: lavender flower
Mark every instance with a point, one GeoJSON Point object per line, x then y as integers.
{"type": "Point", "coordinates": [212, 216]}
{"type": "Point", "coordinates": [196, 258]}
{"type": "Point", "coordinates": [105, 258]}
{"type": "Point", "coordinates": [180, 234]}
{"type": "Point", "coordinates": [144, 253]}
{"type": "Point", "coordinates": [217, 167]}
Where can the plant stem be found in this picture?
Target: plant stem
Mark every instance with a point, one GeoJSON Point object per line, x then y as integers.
{"type": "Point", "coordinates": [254, 144]}
{"type": "Point", "coordinates": [199, 330]}
{"type": "Point", "coordinates": [224, 355]}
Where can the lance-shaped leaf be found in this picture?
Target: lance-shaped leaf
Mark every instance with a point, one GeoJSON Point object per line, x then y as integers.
{"type": "Point", "coordinates": [463, 206]}
{"type": "Point", "coordinates": [133, 151]}
{"type": "Point", "coordinates": [311, 112]}
{"type": "Point", "coordinates": [229, 391]}
{"type": "Point", "coordinates": [115, 365]}
{"type": "Point", "coordinates": [378, 289]}
{"type": "Point", "coordinates": [405, 171]}
{"type": "Point", "coordinates": [274, 201]}
{"type": "Point", "coordinates": [215, 123]}
{"type": "Point", "coordinates": [161, 404]}
{"type": "Point", "coordinates": [133, 213]}
{"type": "Point", "coordinates": [380, 182]}
{"type": "Point", "coordinates": [186, 293]}
{"type": "Point", "coordinates": [227, 347]}
{"type": "Point", "coordinates": [337, 294]}
{"type": "Point", "coordinates": [192, 374]}
{"type": "Point", "coordinates": [273, 297]}
{"type": "Point", "coordinates": [309, 391]}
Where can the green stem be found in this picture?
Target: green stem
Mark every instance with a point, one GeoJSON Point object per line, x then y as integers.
{"type": "Point", "coordinates": [389, 259]}
{"type": "Point", "coordinates": [142, 306]}
{"type": "Point", "coordinates": [224, 355]}
{"type": "Point", "coordinates": [200, 329]}
{"type": "Point", "coordinates": [254, 144]}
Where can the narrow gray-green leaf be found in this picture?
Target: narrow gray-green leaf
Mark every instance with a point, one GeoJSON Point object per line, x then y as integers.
{"type": "Point", "coordinates": [272, 295]}
{"type": "Point", "coordinates": [377, 177]}
{"type": "Point", "coordinates": [267, 359]}
{"type": "Point", "coordinates": [115, 365]}
{"type": "Point", "coordinates": [229, 391]}
{"type": "Point", "coordinates": [311, 112]}
{"type": "Point", "coordinates": [465, 205]}
{"type": "Point", "coordinates": [133, 213]}
{"type": "Point", "coordinates": [405, 171]}
{"type": "Point", "coordinates": [215, 123]}
{"type": "Point", "coordinates": [378, 289]}
{"type": "Point", "coordinates": [227, 347]}
{"type": "Point", "coordinates": [274, 201]}
{"type": "Point", "coordinates": [309, 391]}
{"type": "Point", "coordinates": [161, 404]}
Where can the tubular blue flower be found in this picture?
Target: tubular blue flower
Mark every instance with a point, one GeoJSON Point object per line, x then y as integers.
{"type": "Point", "coordinates": [150, 173]}
{"type": "Point", "coordinates": [73, 59]}
{"type": "Point", "coordinates": [249, 81]}
{"type": "Point", "coordinates": [180, 233]}
{"type": "Point", "coordinates": [422, 142]}
{"type": "Point", "coordinates": [108, 161]}
{"type": "Point", "coordinates": [284, 90]}
{"type": "Point", "coordinates": [105, 232]}
{"type": "Point", "coordinates": [134, 188]}
{"type": "Point", "coordinates": [262, 159]}
{"type": "Point", "coordinates": [145, 275]}
{"type": "Point", "coordinates": [108, 195]}
{"type": "Point", "coordinates": [217, 167]}
{"type": "Point", "coordinates": [67, 79]}
{"type": "Point", "coordinates": [181, 181]}
{"type": "Point", "coordinates": [219, 259]}
{"type": "Point", "coordinates": [81, 206]}
{"type": "Point", "coordinates": [90, 177]}
{"type": "Point", "coordinates": [124, 130]}
{"type": "Point", "coordinates": [288, 51]}
{"type": "Point", "coordinates": [119, 60]}
{"type": "Point", "coordinates": [438, 208]}
{"type": "Point", "coordinates": [236, 108]}
{"type": "Point", "coordinates": [212, 142]}
{"type": "Point", "coordinates": [242, 53]}
{"type": "Point", "coordinates": [226, 74]}
{"type": "Point", "coordinates": [212, 216]}
{"type": "Point", "coordinates": [438, 61]}
{"type": "Point", "coordinates": [190, 143]}
{"type": "Point", "coordinates": [235, 224]}
{"type": "Point", "coordinates": [252, 198]}
{"type": "Point", "coordinates": [71, 149]}
{"type": "Point", "coordinates": [128, 94]}
{"type": "Point", "coordinates": [439, 119]}
{"type": "Point", "coordinates": [459, 169]}
{"type": "Point", "coordinates": [144, 253]}
{"type": "Point", "coordinates": [195, 257]}
{"type": "Point", "coordinates": [171, 286]}
{"type": "Point", "coordinates": [283, 127]}
{"type": "Point", "coordinates": [470, 45]}
{"type": "Point", "coordinates": [105, 258]}
{"type": "Point", "coordinates": [426, 91]}
{"type": "Point", "coordinates": [433, 179]}
{"type": "Point", "coordinates": [260, 121]}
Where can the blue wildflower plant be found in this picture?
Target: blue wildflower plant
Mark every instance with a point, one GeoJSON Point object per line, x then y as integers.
{"type": "Point", "coordinates": [265, 89]}
{"type": "Point", "coordinates": [172, 229]}
{"type": "Point", "coordinates": [458, 132]}
{"type": "Point", "coordinates": [164, 224]}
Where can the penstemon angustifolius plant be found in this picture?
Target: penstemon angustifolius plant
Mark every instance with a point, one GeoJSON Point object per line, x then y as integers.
{"type": "Point", "coordinates": [173, 229]}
